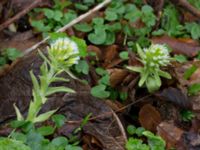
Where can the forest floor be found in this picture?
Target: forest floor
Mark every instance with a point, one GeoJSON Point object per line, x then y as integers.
{"type": "Point", "coordinates": [137, 81]}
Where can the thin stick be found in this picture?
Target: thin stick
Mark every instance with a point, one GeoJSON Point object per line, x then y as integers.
{"type": "Point", "coordinates": [73, 22]}
{"type": "Point", "coordinates": [110, 112]}
{"type": "Point", "coordinates": [120, 126]}
{"type": "Point", "coordinates": [20, 14]}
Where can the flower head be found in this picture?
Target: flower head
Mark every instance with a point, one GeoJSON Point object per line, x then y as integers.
{"type": "Point", "coordinates": [156, 55]}
{"type": "Point", "coordinates": [64, 52]}
{"type": "Point", "coordinates": [152, 58]}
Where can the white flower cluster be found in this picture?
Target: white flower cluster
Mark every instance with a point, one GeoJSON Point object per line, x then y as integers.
{"type": "Point", "coordinates": [156, 56]}
{"type": "Point", "coordinates": [64, 49]}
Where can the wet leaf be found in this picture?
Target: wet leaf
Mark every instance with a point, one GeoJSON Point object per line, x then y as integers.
{"type": "Point", "coordinates": [175, 96]}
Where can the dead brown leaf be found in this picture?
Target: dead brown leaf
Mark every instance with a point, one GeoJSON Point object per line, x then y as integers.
{"type": "Point", "coordinates": [109, 54]}
{"type": "Point", "coordinates": [170, 133]}
{"type": "Point", "coordinates": [117, 76]}
{"type": "Point", "coordinates": [189, 141]}
{"type": "Point", "coordinates": [179, 46]}
{"type": "Point", "coordinates": [149, 117]}
{"type": "Point", "coordinates": [175, 96]}
{"type": "Point", "coordinates": [96, 50]}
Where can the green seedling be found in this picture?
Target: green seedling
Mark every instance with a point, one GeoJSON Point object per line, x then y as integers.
{"type": "Point", "coordinates": [62, 54]}
{"type": "Point", "coordinates": [187, 115]}
{"type": "Point", "coordinates": [154, 142]}
{"type": "Point", "coordinates": [152, 58]}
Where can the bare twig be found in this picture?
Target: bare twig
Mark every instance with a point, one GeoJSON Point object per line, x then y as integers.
{"type": "Point", "coordinates": [110, 112]}
{"type": "Point", "coordinates": [73, 22]}
{"type": "Point", "coordinates": [20, 14]}
{"type": "Point", "coordinates": [120, 126]}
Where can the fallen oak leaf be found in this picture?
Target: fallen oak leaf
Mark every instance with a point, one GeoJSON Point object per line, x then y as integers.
{"type": "Point", "coordinates": [179, 46]}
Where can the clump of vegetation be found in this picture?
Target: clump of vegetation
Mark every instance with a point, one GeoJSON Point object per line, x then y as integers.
{"type": "Point", "coordinates": [62, 54]}
{"type": "Point", "coordinates": [187, 115]}
{"type": "Point", "coordinates": [9, 55]}
{"type": "Point", "coordinates": [154, 142]}
{"type": "Point", "coordinates": [152, 58]}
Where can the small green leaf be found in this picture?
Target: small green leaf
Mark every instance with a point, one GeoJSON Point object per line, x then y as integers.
{"type": "Point", "coordinates": [115, 27]}
{"type": "Point", "coordinates": [110, 38]}
{"type": "Point", "coordinates": [143, 78]}
{"type": "Point", "coordinates": [40, 26]}
{"type": "Point", "coordinates": [124, 55]}
{"type": "Point", "coordinates": [155, 142]}
{"type": "Point", "coordinates": [105, 80]}
{"type": "Point", "coordinates": [194, 89]}
{"type": "Point", "coordinates": [99, 91]}
{"type": "Point", "coordinates": [98, 37]}
{"type": "Point", "coordinates": [81, 6]}
{"type": "Point", "coordinates": [153, 83]}
{"type": "Point", "coordinates": [131, 129]}
{"type": "Point", "coordinates": [17, 124]}
{"type": "Point", "coordinates": [18, 113]}
{"type": "Point", "coordinates": [98, 21]}
{"type": "Point", "coordinates": [180, 58]}
{"type": "Point", "coordinates": [46, 130]}
{"type": "Point", "coordinates": [3, 61]}
{"type": "Point", "coordinates": [101, 71]}
{"type": "Point", "coordinates": [13, 53]}
{"type": "Point", "coordinates": [188, 73]}
{"type": "Point", "coordinates": [68, 17]}
{"type": "Point", "coordinates": [52, 90]}
{"type": "Point", "coordinates": [10, 144]}
{"type": "Point", "coordinates": [56, 35]}
{"type": "Point", "coordinates": [49, 13]}
{"type": "Point", "coordinates": [60, 141]}
{"type": "Point", "coordinates": [18, 136]}
{"type": "Point", "coordinates": [59, 79]}
{"type": "Point", "coordinates": [110, 15]}
{"type": "Point", "coordinates": [194, 30]}
{"type": "Point", "coordinates": [158, 32]}
{"type": "Point", "coordinates": [43, 117]}
{"type": "Point", "coordinates": [82, 67]}
{"type": "Point", "coordinates": [187, 115]}
{"type": "Point", "coordinates": [135, 69]}
{"type": "Point", "coordinates": [140, 51]}
{"type": "Point", "coordinates": [36, 85]}
{"type": "Point", "coordinates": [139, 131]}
{"type": "Point", "coordinates": [164, 74]}
{"type": "Point", "coordinates": [83, 27]}
{"type": "Point", "coordinates": [82, 46]}
{"type": "Point", "coordinates": [59, 120]}
{"type": "Point", "coordinates": [57, 15]}
{"type": "Point", "coordinates": [136, 144]}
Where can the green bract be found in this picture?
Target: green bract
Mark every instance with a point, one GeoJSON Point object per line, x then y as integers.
{"type": "Point", "coordinates": [62, 54]}
{"type": "Point", "coordinates": [153, 58]}
{"type": "Point", "coordinates": [10, 144]}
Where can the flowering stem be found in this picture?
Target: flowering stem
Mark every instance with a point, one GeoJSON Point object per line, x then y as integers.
{"type": "Point", "coordinates": [45, 81]}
